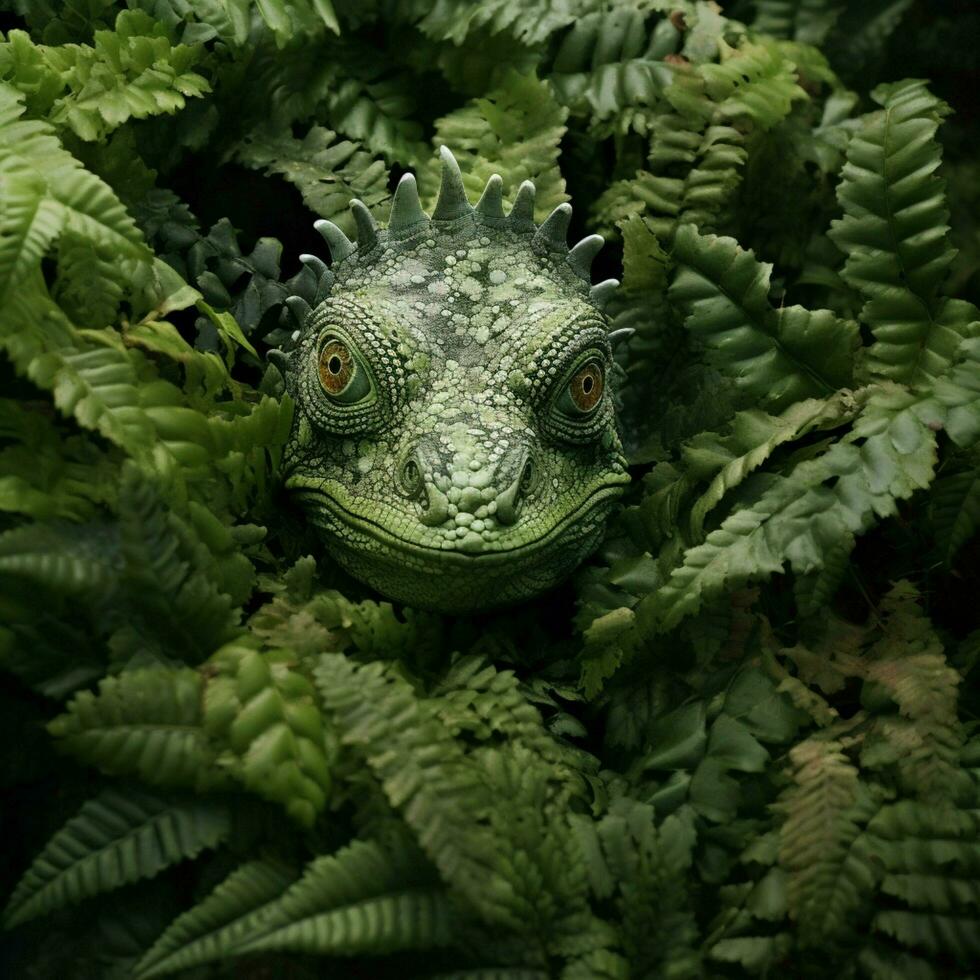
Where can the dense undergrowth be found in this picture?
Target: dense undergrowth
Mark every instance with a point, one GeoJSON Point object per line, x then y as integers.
{"type": "Point", "coordinates": [742, 741]}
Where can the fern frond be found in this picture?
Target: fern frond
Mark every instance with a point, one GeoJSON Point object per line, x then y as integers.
{"type": "Point", "coordinates": [808, 21]}
{"type": "Point", "coordinates": [115, 839]}
{"type": "Point", "coordinates": [909, 665]}
{"type": "Point", "coordinates": [895, 236]}
{"type": "Point", "coordinates": [146, 723]}
{"type": "Point", "coordinates": [862, 33]}
{"type": "Point", "coordinates": [611, 65]}
{"type": "Point", "coordinates": [754, 437]}
{"type": "Point", "coordinates": [888, 455]}
{"type": "Point", "coordinates": [825, 811]}
{"type": "Point", "coordinates": [534, 884]}
{"type": "Point", "coordinates": [327, 171]}
{"type": "Point", "coordinates": [376, 107]}
{"type": "Point", "coordinates": [954, 506]}
{"type": "Point", "coordinates": [46, 192]}
{"type": "Point", "coordinates": [513, 131]}
{"type": "Point", "coordinates": [202, 933]}
{"type": "Point", "coordinates": [173, 599]}
{"type": "Point", "coordinates": [931, 860]}
{"type": "Point", "coordinates": [48, 474]}
{"type": "Point", "coordinates": [420, 766]}
{"type": "Point", "coordinates": [754, 81]}
{"type": "Point", "coordinates": [419, 919]}
{"type": "Point", "coordinates": [363, 898]}
{"type": "Point", "coordinates": [775, 356]}
{"type": "Point", "coordinates": [267, 714]}
{"type": "Point", "coordinates": [648, 864]}
{"type": "Point", "coordinates": [456, 20]}
{"type": "Point", "coordinates": [296, 17]}
{"type": "Point", "coordinates": [129, 72]}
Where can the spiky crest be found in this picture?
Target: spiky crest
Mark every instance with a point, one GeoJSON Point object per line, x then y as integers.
{"type": "Point", "coordinates": [407, 220]}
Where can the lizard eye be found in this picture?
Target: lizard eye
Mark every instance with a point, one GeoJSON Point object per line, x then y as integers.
{"type": "Point", "coordinates": [584, 390]}
{"type": "Point", "coordinates": [342, 374]}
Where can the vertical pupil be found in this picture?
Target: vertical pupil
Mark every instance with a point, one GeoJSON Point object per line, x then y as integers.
{"type": "Point", "coordinates": [334, 364]}
{"type": "Point", "coordinates": [588, 383]}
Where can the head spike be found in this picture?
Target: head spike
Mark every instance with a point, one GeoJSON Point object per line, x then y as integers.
{"type": "Point", "coordinates": [522, 213]}
{"type": "Point", "coordinates": [491, 203]}
{"type": "Point", "coordinates": [367, 227]}
{"type": "Point", "coordinates": [554, 228]}
{"type": "Point", "coordinates": [601, 292]}
{"type": "Point", "coordinates": [617, 337]}
{"type": "Point", "coordinates": [299, 308]}
{"type": "Point", "coordinates": [580, 258]}
{"type": "Point", "coordinates": [339, 244]}
{"type": "Point", "coordinates": [317, 266]}
{"type": "Point", "coordinates": [406, 209]}
{"type": "Point", "coordinates": [280, 359]}
{"type": "Point", "coordinates": [452, 202]}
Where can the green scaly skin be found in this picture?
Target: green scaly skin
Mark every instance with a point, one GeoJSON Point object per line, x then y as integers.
{"type": "Point", "coordinates": [455, 471]}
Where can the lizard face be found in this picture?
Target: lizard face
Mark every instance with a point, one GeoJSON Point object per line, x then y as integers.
{"type": "Point", "coordinates": [455, 440]}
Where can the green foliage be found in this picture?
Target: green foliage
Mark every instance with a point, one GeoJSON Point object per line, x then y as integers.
{"type": "Point", "coordinates": [328, 173]}
{"type": "Point", "coordinates": [146, 723]}
{"type": "Point", "coordinates": [116, 838]}
{"type": "Point", "coordinates": [894, 236]}
{"type": "Point", "coordinates": [741, 741]}
{"type": "Point", "coordinates": [514, 131]}
{"type": "Point", "coordinates": [264, 710]}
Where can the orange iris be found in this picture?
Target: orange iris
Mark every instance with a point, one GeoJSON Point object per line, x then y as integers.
{"type": "Point", "coordinates": [336, 367]}
{"type": "Point", "coordinates": [586, 386]}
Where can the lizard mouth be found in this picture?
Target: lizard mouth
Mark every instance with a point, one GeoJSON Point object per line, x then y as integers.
{"type": "Point", "coordinates": [393, 542]}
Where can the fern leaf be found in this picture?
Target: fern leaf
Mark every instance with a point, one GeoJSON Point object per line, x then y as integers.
{"type": "Point", "coordinates": [67, 560]}
{"type": "Point", "coordinates": [173, 599]}
{"type": "Point", "coordinates": [610, 65]}
{"type": "Point", "coordinates": [297, 17]}
{"type": "Point", "coordinates": [754, 437]}
{"type": "Point", "coordinates": [808, 21]}
{"type": "Point", "coordinates": [513, 131]}
{"type": "Point", "coordinates": [412, 920]}
{"type": "Point", "coordinates": [421, 768]}
{"type": "Point", "coordinates": [378, 113]}
{"type": "Point", "coordinates": [360, 898]}
{"type": "Point", "coordinates": [775, 356]}
{"type": "Point", "coordinates": [954, 507]}
{"type": "Point", "coordinates": [908, 663]}
{"type": "Point", "coordinates": [755, 81]}
{"type": "Point", "coordinates": [895, 236]}
{"type": "Point", "coordinates": [825, 811]}
{"type": "Point", "coordinates": [46, 192]}
{"type": "Point", "coordinates": [931, 860]}
{"type": "Point", "coordinates": [455, 20]}
{"type": "Point", "coordinates": [202, 933]}
{"type": "Point", "coordinates": [146, 723]}
{"type": "Point", "coordinates": [115, 839]}
{"type": "Point", "coordinates": [268, 714]}
{"type": "Point", "coordinates": [328, 172]}
{"type": "Point", "coordinates": [131, 72]}
{"type": "Point", "coordinates": [887, 457]}
{"type": "Point", "coordinates": [863, 32]}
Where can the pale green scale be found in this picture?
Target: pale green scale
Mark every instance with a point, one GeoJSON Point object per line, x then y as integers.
{"type": "Point", "coordinates": [455, 441]}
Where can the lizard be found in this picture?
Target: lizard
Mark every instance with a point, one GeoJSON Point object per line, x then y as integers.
{"type": "Point", "coordinates": [455, 439]}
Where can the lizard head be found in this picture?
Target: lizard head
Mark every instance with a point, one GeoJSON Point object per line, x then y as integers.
{"type": "Point", "coordinates": [455, 440]}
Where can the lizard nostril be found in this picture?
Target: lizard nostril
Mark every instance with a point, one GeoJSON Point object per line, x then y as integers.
{"type": "Point", "coordinates": [529, 477]}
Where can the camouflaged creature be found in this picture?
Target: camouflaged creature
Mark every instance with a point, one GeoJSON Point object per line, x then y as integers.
{"type": "Point", "coordinates": [455, 440]}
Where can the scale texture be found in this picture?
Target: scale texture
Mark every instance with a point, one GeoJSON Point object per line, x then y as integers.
{"type": "Point", "coordinates": [455, 439]}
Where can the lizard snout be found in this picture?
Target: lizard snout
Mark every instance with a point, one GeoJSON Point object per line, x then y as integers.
{"type": "Point", "coordinates": [470, 483]}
